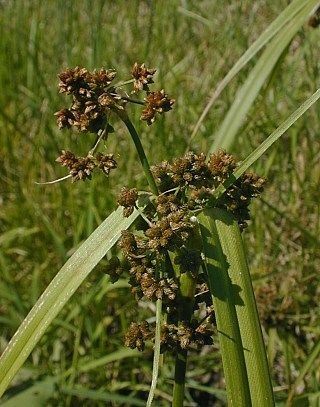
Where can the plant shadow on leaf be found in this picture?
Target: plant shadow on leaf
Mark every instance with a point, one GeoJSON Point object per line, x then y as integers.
{"type": "Point", "coordinates": [222, 266]}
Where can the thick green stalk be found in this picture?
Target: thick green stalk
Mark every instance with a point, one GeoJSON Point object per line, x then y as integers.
{"type": "Point", "coordinates": [225, 297]}
{"type": "Point", "coordinates": [142, 156]}
{"type": "Point", "coordinates": [254, 349]}
{"type": "Point", "coordinates": [187, 292]}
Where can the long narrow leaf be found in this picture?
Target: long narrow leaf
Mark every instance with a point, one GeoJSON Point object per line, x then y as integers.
{"type": "Point", "coordinates": [247, 94]}
{"type": "Point", "coordinates": [59, 292]}
{"type": "Point", "coordinates": [249, 324]}
{"type": "Point", "coordinates": [224, 300]}
{"type": "Point", "coordinates": [263, 147]}
{"type": "Point", "coordinates": [307, 367]}
{"type": "Point", "coordinates": [278, 24]}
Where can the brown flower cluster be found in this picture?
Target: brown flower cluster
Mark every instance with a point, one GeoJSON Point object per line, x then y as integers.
{"type": "Point", "coordinates": [184, 336]}
{"type": "Point", "coordinates": [115, 269]}
{"type": "Point", "coordinates": [195, 179]}
{"type": "Point", "coordinates": [146, 255]}
{"type": "Point", "coordinates": [81, 168]}
{"type": "Point", "coordinates": [156, 102]}
{"type": "Point", "coordinates": [127, 198]}
{"type": "Point", "coordinates": [92, 96]}
{"type": "Point", "coordinates": [186, 184]}
{"type": "Point", "coordinates": [137, 334]}
{"type": "Point", "coordinates": [142, 77]}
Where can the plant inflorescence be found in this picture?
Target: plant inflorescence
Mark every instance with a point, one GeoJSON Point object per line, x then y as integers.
{"type": "Point", "coordinates": [94, 99]}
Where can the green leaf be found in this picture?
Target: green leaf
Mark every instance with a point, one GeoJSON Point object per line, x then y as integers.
{"type": "Point", "coordinates": [263, 147]}
{"type": "Point", "coordinates": [254, 349]}
{"type": "Point", "coordinates": [308, 366]}
{"type": "Point", "coordinates": [278, 24]}
{"type": "Point", "coordinates": [225, 298]}
{"type": "Point", "coordinates": [35, 395]}
{"type": "Point", "coordinates": [247, 94]}
{"type": "Point", "coordinates": [59, 291]}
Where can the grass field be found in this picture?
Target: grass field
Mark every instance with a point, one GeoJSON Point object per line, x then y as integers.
{"type": "Point", "coordinates": [193, 44]}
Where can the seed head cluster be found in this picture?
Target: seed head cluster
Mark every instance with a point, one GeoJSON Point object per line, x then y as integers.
{"type": "Point", "coordinates": [81, 168]}
{"type": "Point", "coordinates": [89, 91]}
{"type": "Point", "coordinates": [194, 179]}
{"type": "Point", "coordinates": [186, 184]}
{"type": "Point", "coordinates": [94, 98]}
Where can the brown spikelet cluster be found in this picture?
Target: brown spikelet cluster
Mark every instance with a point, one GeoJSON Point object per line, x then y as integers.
{"type": "Point", "coordinates": [156, 102]}
{"type": "Point", "coordinates": [195, 179]}
{"type": "Point", "coordinates": [127, 198]}
{"type": "Point", "coordinates": [95, 99]}
{"type": "Point", "coordinates": [146, 251]}
{"type": "Point", "coordinates": [185, 336]}
{"type": "Point", "coordinates": [88, 89]}
{"type": "Point", "coordinates": [142, 77]}
{"type": "Point", "coordinates": [81, 168]}
{"type": "Point", "coordinates": [115, 268]}
{"type": "Point", "coordinates": [137, 334]}
{"type": "Point", "coordinates": [186, 184]}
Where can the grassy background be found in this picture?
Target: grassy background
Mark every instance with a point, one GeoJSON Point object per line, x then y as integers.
{"type": "Point", "coordinates": [42, 225]}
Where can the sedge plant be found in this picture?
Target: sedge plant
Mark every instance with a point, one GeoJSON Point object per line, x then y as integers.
{"type": "Point", "coordinates": [186, 252]}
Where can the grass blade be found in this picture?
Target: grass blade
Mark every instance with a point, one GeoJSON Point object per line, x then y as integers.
{"type": "Point", "coordinates": [278, 24]}
{"type": "Point", "coordinates": [224, 300]}
{"type": "Point", "coordinates": [263, 147]}
{"type": "Point", "coordinates": [308, 365]}
{"type": "Point", "coordinates": [249, 324]}
{"type": "Point", "coordinates": [247, 94]}
{"type": "Point", "coordinates": [156, 355]}
{"type": "Point", "coordinates": [59, 291]}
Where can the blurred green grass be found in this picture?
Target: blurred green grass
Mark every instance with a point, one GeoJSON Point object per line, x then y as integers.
{"type": "Point", "coordinates": [41, 225]}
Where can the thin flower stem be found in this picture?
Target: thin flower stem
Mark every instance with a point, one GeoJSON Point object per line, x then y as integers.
{"type": "Point", "coordinates": [54, 181]}
{"type": "Point", "coordinates": [99, 138]}
{"type": "Point", "coordinates": [142, 156]}
{"type": "Point", "coordinates": [156, 355]}
{"type": "Point", "coordinates": [119, 84]}
{"type": "Point", "coordinates": [136, 101]}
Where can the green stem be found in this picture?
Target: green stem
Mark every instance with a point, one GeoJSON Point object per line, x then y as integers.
{"type": "Point", "coordinates": [179, 378]}
{"type": "Point", "coordinates": [142, 156]}
{"type": "Point", "coordinates": [187, 293]}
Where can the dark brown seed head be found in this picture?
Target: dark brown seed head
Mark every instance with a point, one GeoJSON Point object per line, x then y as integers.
{"type": "Point", "coordinates": [74, 81]}
{"type": "Point", "coordinates": [137, 334]}
{"type": "Point", "coordinates": [101, 78]}
{"type": "Point", "coordinates": [106, 162]}
{"type": "Point", "coordinates": [114, 269]}
{"type": "Point", "coordinates": [127, 198]}
{"type": "Point", "coordinates": [65, 118]}
{"type": "Point", "coordinates": [79, 168]}
{"type": "Point", "coordinates": [221, 164]}
{"type": "Point", "coordinates": [156, 102]}
{"type": "Point", "coordinates": [66, 159]}
{"type": "Point", "coordinates": [142, 76]}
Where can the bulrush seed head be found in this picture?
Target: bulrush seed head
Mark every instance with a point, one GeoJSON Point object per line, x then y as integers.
{"type": "Point", "coordinates": [127, 198]}
{"type": "Point", "coordinates": [156, 102]}
{"type": "Point", "coordinates": [142, 77]}
{"type": "Point", "coordinates": [137, 334]}
{"type": "Point", "coordinates": [186, 183]}
{"type": "Point", "coordinates": [94, 100]}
